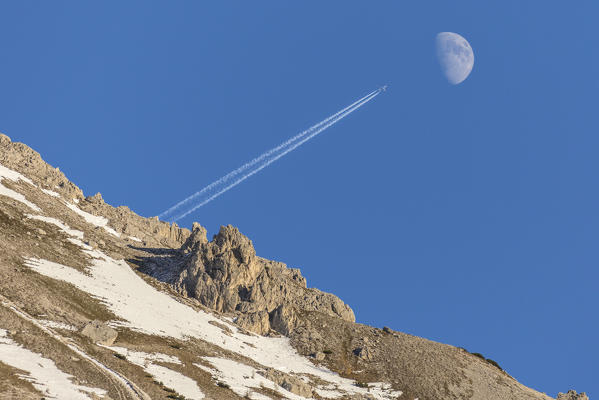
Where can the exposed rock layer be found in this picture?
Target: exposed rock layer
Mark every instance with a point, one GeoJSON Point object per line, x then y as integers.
{"type": "Point", "coordinates": [226, 275]}
{"type": "Point", "coordinates": [572, 395]}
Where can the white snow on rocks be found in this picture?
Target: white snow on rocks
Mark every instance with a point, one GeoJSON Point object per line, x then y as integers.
{"type": "Point", "coordinates": [180, 383]}
{"type": "Point", "coordinates": [142, 359]}
{"type": "Point", "coordinates": [56, 325]}
{"type": "Point", "coordinates": [129, 386]}
{"type": "Point", "coordinates": [14, 176]}
{"type": "Point", "coordinates": [50, 193]}
{"type": "Point", "coordinates": [64, 227]}
{"type": "Point", "coordinates": [242, 378]}
{"type": "Point", "coordinates": [93, 219]}
{"type": "Point", "coordinates": [42, 372]}
{"type": "Point", "coordinates": [146, 309]}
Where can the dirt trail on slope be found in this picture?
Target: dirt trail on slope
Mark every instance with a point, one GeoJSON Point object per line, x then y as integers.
{"type": "Point", "coordinates": [125, 388]}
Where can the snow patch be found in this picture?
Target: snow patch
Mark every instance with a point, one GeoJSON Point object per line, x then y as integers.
{"type": "Point", "coordinates": [56, 325]}
{"type": "Point", "coordinates": [42, 372]}
{"type": "Point", "coordinates": [146, 309]}
{"type": "Point", "coordinates": [93, 219]}
{"type": "Point", "coordinates": [140, 358]}
{"type": "Point", "coordinates": [171, 379]}
{"type": "Point", "coordinates": [14, 176]}
{"type": "Point", "coordinates": [64, 227]}
{"type": "Point", "coordinates": [50, 193]}
{"type": "Point", "coordinates": [135, 239]}
{"type": "Point", "coordinates": [242, 378]}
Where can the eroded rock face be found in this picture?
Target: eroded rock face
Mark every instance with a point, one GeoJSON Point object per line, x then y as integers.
{"type": "Point", "coordinates": [257, 322]}
{"type": "Point", "coordinates": [572, 395]}
{"type": "Point", "coordinates": [226, 275]}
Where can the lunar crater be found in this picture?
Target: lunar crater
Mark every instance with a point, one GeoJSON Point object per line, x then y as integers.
{"type": "Point", "coordinates": [455, 56]}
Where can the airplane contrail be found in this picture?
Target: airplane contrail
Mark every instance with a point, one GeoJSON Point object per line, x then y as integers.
{"type": "Point", "coordinates": [262, 157]}
{"type": "Point", "coordinates": [221, 185]}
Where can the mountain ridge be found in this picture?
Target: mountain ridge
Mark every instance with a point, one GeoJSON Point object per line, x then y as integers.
{"type": "Point", "coordinates": [68, 259]}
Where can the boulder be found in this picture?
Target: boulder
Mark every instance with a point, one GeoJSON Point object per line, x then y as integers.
{"type": "Point", "coordinates": [99, 333]}
{"type": "Point", "coordinates": [288, 382]}
{"type": "Point", "coordinates": [364, 353]}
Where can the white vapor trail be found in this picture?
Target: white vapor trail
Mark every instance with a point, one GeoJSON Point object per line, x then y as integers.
{"type": "Point", "coordinates": [222, 185]}
{"type": "Point", "coordinates": [262, 157]}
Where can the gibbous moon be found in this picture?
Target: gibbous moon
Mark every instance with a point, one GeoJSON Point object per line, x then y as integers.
{"type": "Point", "coordinates": [455, 56]}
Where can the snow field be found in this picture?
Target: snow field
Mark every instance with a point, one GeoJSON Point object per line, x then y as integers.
{"type": "Point", "coordinates": [242, 378]}
{"type": "Point", "coordinates": [42, 372]}
{"type": "Point", "coordinates": [145, 309]}
{"type": "Point", "coordinates": [150, 311]}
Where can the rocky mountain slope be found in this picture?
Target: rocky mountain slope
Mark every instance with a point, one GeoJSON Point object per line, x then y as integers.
{"type": "Point", "coordinates": [100, 303]}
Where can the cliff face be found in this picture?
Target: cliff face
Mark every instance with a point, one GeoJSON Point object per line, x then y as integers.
{"type": "Point", "coordinates": [227, 276]}
{"type": "Point", "coordinates": [98, 302]}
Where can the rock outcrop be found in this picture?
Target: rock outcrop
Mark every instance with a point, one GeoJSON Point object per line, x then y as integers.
{"type": "Point", "coordinates": [226, 275]}
{"type": "Point", "coordinates": [572, 395]}
{"type": "Point", "coordinates": [288, 382]}
{"type": "Point", "coordinates": [27, 161]}
{"type": "Point", "coordinates": [99, 333]}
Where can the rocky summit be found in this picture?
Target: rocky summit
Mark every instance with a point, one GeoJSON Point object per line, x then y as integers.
{"type": "Point", "coordinates": [97, 302]}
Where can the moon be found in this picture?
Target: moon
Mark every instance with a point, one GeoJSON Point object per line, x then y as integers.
{"type": "Point", "coordinates": [455, 56]}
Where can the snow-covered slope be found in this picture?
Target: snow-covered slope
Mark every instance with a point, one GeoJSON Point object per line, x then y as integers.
{"type": "Point", "coordinates": [141, 307]}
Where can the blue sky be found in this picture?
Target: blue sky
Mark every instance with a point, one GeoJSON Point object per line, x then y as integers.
{"type": "Point", "coordinates": [464, 214]}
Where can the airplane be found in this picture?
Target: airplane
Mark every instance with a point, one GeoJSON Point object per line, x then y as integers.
{"type": "Point", "coordinates": [383, 88]}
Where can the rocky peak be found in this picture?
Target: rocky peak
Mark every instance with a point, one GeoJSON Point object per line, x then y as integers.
{"type": "Point", "coordinates": [96, 198]}
{"type": "Point", "coordinates": [229, 239]}
{"type": "Point", "coordinates": [225, 274]}
{"type": "Point", "coordinates": [25, 160]}
{"type": "Point", "coordinates": [197, 238]}
{"type": "Point", "coordinates": [4, 139]}
{"type": "Point", "coordinates": [572, 395]}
